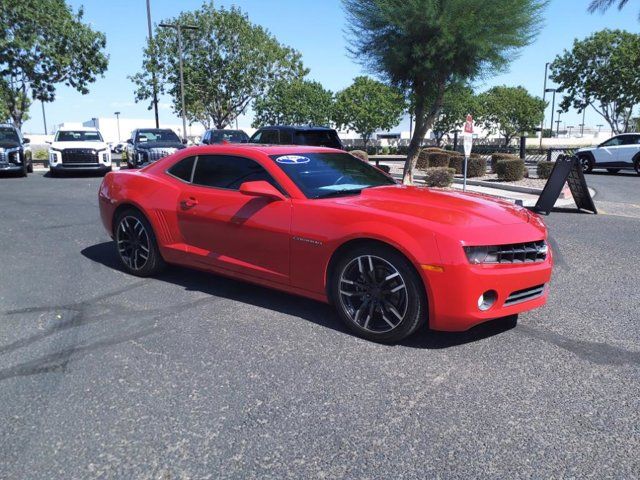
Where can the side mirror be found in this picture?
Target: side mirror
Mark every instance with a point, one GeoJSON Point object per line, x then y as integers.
{"type": "Point", "coordinates": [129, 141]}
{"type": "Point", "coordinates": [260, 188]}
{"type": "Point", "coordinates": [26, 140]}
{"type": "Point", "coordinates": [48, 142]}
{"type": "Point", "coordinates": [184, 141]}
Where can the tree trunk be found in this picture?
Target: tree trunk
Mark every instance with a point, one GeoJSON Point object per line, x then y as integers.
{"type": "Point", "coordinates": [423, 122]}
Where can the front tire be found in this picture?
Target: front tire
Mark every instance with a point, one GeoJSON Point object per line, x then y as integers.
{"type": "Point", "coordinates": [586, 163]}
{"type": "Point", "coordinates": [378, 293]}
{"type": "Point", "coordinates": [636, 165]}
{"type": "Point", "coordinates": [30, 167]}
{"type": "Point", "coordinates": [136, 244]}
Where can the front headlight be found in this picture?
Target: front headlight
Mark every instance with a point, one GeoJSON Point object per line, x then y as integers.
{"type": "Point", "coordinates": [53, 156]}
{"type": "Point", "coordinates": [483, 254]}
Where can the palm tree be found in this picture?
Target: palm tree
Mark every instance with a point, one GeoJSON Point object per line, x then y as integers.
{"type": "Point", "coordinates": [603, 5]}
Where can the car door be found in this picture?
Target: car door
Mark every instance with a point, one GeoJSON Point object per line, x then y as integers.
{"type": "Point", "coordinates": [606, 155]}
{"type": "Point", "coordinates": [628, 150]}
{"type": "Point", "coordinates": [226, 229]}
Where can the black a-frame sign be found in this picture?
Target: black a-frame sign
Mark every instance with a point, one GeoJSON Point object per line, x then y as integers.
{"type": "Point", "coordinates": [567, 169]}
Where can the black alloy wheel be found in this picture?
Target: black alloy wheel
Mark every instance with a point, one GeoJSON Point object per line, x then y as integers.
{"type": "Point", "coordinates": [378, 294]}
{"type": "Point", "coordinates": [136, 244]}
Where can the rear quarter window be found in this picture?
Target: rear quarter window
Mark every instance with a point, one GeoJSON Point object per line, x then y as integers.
{"type": "Point", "coordinates": [183, 169]}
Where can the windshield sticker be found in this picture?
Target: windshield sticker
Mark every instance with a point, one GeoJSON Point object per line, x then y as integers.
{"type": "Point", "coordinates": [292, 159]}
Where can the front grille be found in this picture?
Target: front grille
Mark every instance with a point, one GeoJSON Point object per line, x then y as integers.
{"type": "Point", "coordinates": [158, 153]}
{"type": "Point", "coordinates": [4, 157]}
{"type": "Point", "coordinates": [79, 155]}
{"type": "Point", "coordinates": [529, 252]}
{"type": "Point", "coordinates": [524, 295]}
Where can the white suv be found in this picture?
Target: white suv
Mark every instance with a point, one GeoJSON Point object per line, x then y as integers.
{"type": "Point", "coordinates": [79, 149]}
{"type": "Point", "coordinates": [617, 153]}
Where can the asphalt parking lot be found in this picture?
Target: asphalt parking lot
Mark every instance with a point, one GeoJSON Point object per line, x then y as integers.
{"type": "Point", "coordinates": [190, 375]}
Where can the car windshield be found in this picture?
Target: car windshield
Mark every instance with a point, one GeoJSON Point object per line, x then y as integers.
{"type": "Point", "coordinates": [318, 138]}
{"type": "Point", "coordinates": [78, 136]}
{"type": "Point", "coordinates": [323, 175]}
{"type": "Point", "coordinates": [8, 135]}
{"type": "Point", "coordinates": [157, 136]}
{"type": "Point", "coordinates": [232, 136]}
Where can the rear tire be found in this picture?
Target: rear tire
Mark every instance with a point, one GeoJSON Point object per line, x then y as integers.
{"type": "Point", "coordinates": [30, 167]}
{"type": "Point", "coordinates": [378, 293]}
{"type": "Point", "coordinates": [636, 165]}
{"type": "Point", "coordinates": [586, 163]}
{"type": "Point", "coordinates": [136, 244]}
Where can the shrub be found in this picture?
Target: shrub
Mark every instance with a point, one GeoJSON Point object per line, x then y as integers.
{"type": "Point", "coordinates": [385, 150]}
{"type": "Point", "coordinates": [510, 170]}
{"type": "Point", "coordinates": [544, 169]}
{"type": "Point", "coordinates": [498, 157]}
{"type": "Point", "coordinates": [438, 176]}
{"type": "Point", "coordinates": [456, 161]}
{"type": "Point", "coordinates": [438, 159]}
{"type": "Point", "coordinates": [361, 154]}
{"type": "Point", "coordinates": [423, 159]}
{"type": "Point", "coordinates": [41, 154]}
{"type": "Point", "coordinates": [476, 167]}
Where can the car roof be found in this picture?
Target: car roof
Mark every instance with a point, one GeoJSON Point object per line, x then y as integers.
{"type": "Point", "coordinates": [78, 129]}
{"type": "Point", "coordinates": [303, 128]}
{"type": "Point", "coordinates": [262, 148]}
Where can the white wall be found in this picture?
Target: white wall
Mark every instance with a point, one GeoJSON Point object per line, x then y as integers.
{"type": "Point", "coordinates": [109, 127]}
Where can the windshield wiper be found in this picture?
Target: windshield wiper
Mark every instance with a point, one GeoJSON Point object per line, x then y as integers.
{"type": "Point", "coordinates": [339, 193]}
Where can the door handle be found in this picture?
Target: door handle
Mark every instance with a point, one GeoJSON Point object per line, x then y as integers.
{"type": "Point", "coordinates": [189, 203]}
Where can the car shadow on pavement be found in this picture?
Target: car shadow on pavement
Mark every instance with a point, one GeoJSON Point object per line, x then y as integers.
{"type": "Point", "coordinates": [307, 309]}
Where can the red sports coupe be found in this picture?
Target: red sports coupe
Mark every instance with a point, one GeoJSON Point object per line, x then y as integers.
{"type": "Point", "coordinates": [321, 223]}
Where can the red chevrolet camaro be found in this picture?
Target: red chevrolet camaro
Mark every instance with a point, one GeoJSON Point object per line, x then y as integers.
{"type": "Point", "coordinates": [321, 223]}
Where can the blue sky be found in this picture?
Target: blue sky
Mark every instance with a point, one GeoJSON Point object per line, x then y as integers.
{"type": "Point", "coordinates": [313, 27]}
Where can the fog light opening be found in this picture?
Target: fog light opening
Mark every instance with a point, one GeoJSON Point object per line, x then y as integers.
{"type": "Point", "coordinates": [487, 300]}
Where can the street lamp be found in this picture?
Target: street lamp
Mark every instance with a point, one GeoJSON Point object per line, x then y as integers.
{"type": "Point", "coordinates": [117, 114]}
{"type": "Point", "coordinates": [553, 105]}
{"type": "Point", "coordinates": [581, 130]}
{"type": "Point", "coordinates": [558, 123]}
{"type": "Point", "coordinates": [544, 94]}
{"type": "Point", "coordinates": [599, 127]}
{"type": "Point", "coordinates": [584, 110]}
{"type": "Point", "coordinates": [179, 29]}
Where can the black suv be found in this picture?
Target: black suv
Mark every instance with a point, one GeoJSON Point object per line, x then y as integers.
{"type": "Point", "coordinates": [150, 144]}
{"type": "Point", "coordinates": [211, 137]}
{"type": "Point", "coordinates": [15, 154]}
{"type": "Point", "coordinates": [286, 135]}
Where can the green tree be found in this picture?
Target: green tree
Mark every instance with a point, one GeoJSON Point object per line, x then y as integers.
{"type": "Point", "coordinates": [604, 5]}
{"type": "Point", "coordinates": [510, 111]}
{"type": "Point", "coordinates": [367, 106]}
{"type": "Point", "coordinates": [423, 46]}
{"type": "Point", "coordinates": [228, 62]}
{"type": "Point", "coordinates": [457, 102]}
{"type": "Point", "coordinates": [44, 43]}
{"type": "Point", "coordinates": [295, 102]}
{"type": "Point", "coordinates": [601, 71]}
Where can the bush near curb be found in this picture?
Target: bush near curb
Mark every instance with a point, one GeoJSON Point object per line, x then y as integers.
{"type": "Point", "coordinates": [361, 154]}
{"type": "Point", "coordinates": [423, 159]}
{"type": "Point", "coordinates": [544, 169]}
{"type": "Point", "coordinates": [438, 159]}
{"type": "Point", "coordinates": [510, 170]}
{"type": "Point", "coordinates": [498, 157]}
{"type": "Point", "coordinates": [438, 176]}
{"type": "Point", "coordinates": [456, 161]}
{"type": "Point", "coordinates": [476, 167]}
{"type": "Point", "coordinates": [40, 154]}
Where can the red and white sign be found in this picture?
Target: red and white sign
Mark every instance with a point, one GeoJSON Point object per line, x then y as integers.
{"type": "Point", "coordinates": [468, 125]}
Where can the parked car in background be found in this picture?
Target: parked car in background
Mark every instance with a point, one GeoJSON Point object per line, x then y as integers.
{"type": "Point", "coordinates": [148, 145]}
{"type": "Point", "coordinates": [323, 224]}
{"type": "Point", "coordinates": [289, 135]}
{"type": "Point", "coordinates": [617, 153]}
{"type": "Point", "coordinates": [15, 153]}
{"type": "Point", "coordinates": [79, 150]}
{"type": "Point", "coordinates": [211, 137]}
{"type": "Point", "coordinates": [119, 147]}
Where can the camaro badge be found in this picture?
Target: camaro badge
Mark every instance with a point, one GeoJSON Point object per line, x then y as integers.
{"type": "Point", "coordinates": [308, 240]}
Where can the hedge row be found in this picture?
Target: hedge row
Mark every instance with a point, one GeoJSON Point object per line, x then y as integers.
{"type": "Point", "coordinates": [497, 157]}
{"type": "Point", "coordinates": [438, 176]}
{"type": "Point", "coordinates": [544, 169]}
{"type": "Point", "coordinates": [510, 170]}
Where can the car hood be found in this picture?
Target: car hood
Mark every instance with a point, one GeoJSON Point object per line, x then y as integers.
{"type": "Point", "coordinates": [147, 145]}
{"type": "Point", "coordinates": [440, 206]}
{"type": "Point", "coordinates": [86, 145]}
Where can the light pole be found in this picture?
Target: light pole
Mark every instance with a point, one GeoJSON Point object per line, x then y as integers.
{"type": "Point", "coordinates": [558, 123]}
{"type": "Point", "coordinates": [544, 94]}
{"type": "Point", "coordinates": [44, 118]}
{"type": "Point", "coordinates": [153, 73]}
{"type": "Point", "coordinates": [599, 127]}
{"type": "Point", "coordinates": [584, 110]}
{"type": "Point", "coordinates": [569, 127]}
{"type": "Point", "coordinates": [179, 29]}
{"type": "Point", "coordinates": [117, 114]}
{"type": "Point", "coordinates": [581, 130]}
{"type": "Point", "coordinates": [553, 105]}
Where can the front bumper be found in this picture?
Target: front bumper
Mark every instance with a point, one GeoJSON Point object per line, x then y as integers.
{"type": "Point", "coordinates": [11, 167]}
{"type": "Point", "coordinates": [91, 167]}
{"type": "Point", "coordinates": [454, 292]}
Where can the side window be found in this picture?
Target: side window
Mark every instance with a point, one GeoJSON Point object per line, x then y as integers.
{"type": "Point", "coordinates": [257, 137]}
{"type": "Point", "coordinates": [270, 137]}
{"type": "Point", "coordinates": [613, 142]}
{"type": "Point", "coordinates": [286, 137]}
{"type": "Point", "coordinates": [183, 169]}
{"type": "Point", "coordinates": [223, 171]}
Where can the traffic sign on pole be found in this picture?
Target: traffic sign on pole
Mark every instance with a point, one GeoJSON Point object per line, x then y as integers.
{"type": "Point", "coordinates": [468, 145]}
